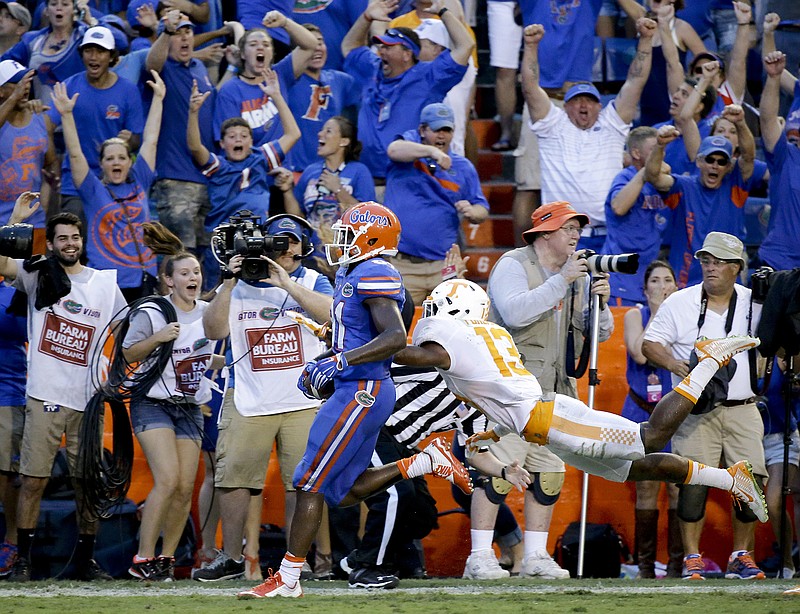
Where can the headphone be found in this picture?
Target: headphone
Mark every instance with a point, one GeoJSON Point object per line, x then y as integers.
{"type": "Point", "coordinates": [306, 246]}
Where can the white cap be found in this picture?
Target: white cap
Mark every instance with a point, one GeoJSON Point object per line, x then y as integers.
{"type": "Point", "coordinates": [100, 36]}
{"type": "Point", "coordinates": [434, 31]}
{"type": "Point", "coordinates": [11, 72]}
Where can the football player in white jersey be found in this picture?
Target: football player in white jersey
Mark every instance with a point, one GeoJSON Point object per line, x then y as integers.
{"type": "Point", "coordinates": [481, 365]}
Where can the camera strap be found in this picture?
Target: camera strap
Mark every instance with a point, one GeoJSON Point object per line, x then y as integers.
{"type": "Point", "coordinates": [573, 370]}
{"type": "Point", "coordinates": [751, 362]}
{"type": "Point", "coordinates": [701, 319]}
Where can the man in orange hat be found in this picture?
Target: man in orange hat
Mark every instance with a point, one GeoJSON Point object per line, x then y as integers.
{"type": "Point", "coordinates": [540, 294]}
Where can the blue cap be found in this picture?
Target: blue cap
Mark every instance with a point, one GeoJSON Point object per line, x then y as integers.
{"type": "Point", "coordinates": [715, 144]}
{"type": "Point", "coordinates": [437, 116]}
{"type": "Point", "coordinates": [393, 36]}
{"type": "Point", "coordinates": [118, 29]}
{"type": "Point", "coordinates": [286, 226]}
{"type": "Point", "coordinates": [132, 14]}
{"type": "Point", "coordinates": [582, 89]}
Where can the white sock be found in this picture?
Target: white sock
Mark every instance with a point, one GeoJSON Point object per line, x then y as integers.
{"type": "Point", "coordinates": [291, 567]}
{"type": "Point", "coordinates": [535, 541]}
{"type": "Point", "coordinates": [704, 475]}
{"type": "Point", "coordinates": [692, 385]}
{"type": "Point", "coordinates": [481, 540]}
{"type": "Point", "coordinates": [415, 466]}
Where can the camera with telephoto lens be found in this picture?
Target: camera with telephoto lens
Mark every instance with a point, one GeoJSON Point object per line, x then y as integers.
{"type": "Point", "coordinates": [244, 236]}
{"type": "Point", "coordinates": [16, 241]}
{"type": "Point", "coordinates": [609, 263]}
{"type": "Point", "coordinates": [760, 282]}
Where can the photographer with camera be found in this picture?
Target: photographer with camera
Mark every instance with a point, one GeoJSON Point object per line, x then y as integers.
{"type": "Point", "coordinates": [540, 293]}
{"type": "Point", "coordinates": [269, 349]}
{"type": "Point", "coordinates": [69, 309]}
{"type": "Point", "coordinates": [239, 179]}
{"type": "Point", "coordinates": [725, 425]}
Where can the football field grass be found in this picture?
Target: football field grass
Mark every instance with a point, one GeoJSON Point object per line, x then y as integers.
{"type": "Point", "coordinates": [438, 596]}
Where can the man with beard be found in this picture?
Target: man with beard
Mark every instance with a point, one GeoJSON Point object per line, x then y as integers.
{"type": "Point", "coordinates": [69, 309]}
{"type": "Point", "coordinates": [711, 200]}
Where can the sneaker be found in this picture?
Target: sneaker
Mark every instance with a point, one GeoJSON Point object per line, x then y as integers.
{"type": "Point", "coordinates": [694, 568]}
{"type": "Point", "coordinates": [165, 569]}
{"type": "Point", "coordinates": [447, 466]}
{"type": "Point", "coordinates": [223, 568]}
{"type": "Point", "coordinates": [273, 586]}
{"type": "Point", "coordinates": [788, 572]}
{"type": "Point", "coordinates": [203, 558]}
{"type": "Point", "coordinates": [747, 491]}
{"type": "Point", "coordinates": [722, 350]}
{"type": "Point", "coordinates": [372, 577]}
{"type": "Point", "coordinates": [252, 568]}
{"type": "Point", "coordinates": [347, 565]}
{"type": "Point", "coordinates": [793, 591]}
{"type": "Point", "coordinates": [541, 565]}
{"type": "Point", "coordinates": [306, 573]}
{"type": "Point", "coordinates": [742, 567]}
{"type": "Point", "coordinates": [21, 570]}
{"type": "Point", "coordinates": [92, 572]}
{"type": "Point", "coordinates": [482, 565]}
{"type": "Point", "coordinates": [8, 554]}
{"type": "Point", "coordinates": [143, 569]}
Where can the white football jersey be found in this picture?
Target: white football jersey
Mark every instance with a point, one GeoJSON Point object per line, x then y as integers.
{"type": "Point", "coordinates": [486, 370]}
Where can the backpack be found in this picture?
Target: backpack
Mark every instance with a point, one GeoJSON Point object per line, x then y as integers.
{"type": "Point", "coordinates": [603, 551]}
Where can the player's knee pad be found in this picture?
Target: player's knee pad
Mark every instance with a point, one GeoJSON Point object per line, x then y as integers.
{"type": "Point", "coordinates": [692, 502]}
{"type": "Point", "coordinates": [496, 489]}
{"type": "Point", "coordinates": [546, 486]}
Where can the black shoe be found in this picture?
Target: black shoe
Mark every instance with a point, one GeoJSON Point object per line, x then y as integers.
{"type": "Point", "coordinates": [159, 569]}
{"type": "Point", "coordinates": [221, 568]}
{"type": "Point", "coordinates": [372, 577]}
{"type": "Point", "coordinates": [92, 572]}
{"type": "Point", "coordinates": [21, 571]}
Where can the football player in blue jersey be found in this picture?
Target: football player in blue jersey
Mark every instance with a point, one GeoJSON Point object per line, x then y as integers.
{"type": "Point", "coordinates": [367, 331]}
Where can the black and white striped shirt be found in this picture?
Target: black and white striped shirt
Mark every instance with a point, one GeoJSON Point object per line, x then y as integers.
{"type": "Point", "coordinates": [424, 405]}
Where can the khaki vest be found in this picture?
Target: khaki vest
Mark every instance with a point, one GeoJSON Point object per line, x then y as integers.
{"type": "Point", "coordinates": [543, 343]}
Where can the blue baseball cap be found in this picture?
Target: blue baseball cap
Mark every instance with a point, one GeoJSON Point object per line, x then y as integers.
{"type": "Point", "coordinates": [394, 36]}
{"type": "Point", "coordinates": [132, 14]}
{"type": "Point", "coordinates": [582, 89]}
{"type": "Point", "coordinates": [286, 226]}
{"type": "Point", "coordinates": [119, 30]}
{"type": "Point", "coordinates": [437, 116]}
{"type": "Point", "coordinates": [715, 144]}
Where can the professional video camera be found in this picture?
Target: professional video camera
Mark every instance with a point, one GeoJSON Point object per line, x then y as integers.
{"type": "Point", "coordinates": [620, 263]}
{"type": "Point", "coordinates": [244, 235]}
{"type": "Point", "coordinates": [16, 241]}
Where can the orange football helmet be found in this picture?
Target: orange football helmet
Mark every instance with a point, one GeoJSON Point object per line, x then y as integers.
{"type": "Point", "coordinates": [367, 230]}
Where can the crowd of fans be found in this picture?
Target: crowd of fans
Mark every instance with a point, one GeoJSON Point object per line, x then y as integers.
{"type": "Point", "coordinates": [116, 112]}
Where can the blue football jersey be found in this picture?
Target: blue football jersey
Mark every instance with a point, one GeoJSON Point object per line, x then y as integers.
{"type": "Point", "coordinates": [352, 322]}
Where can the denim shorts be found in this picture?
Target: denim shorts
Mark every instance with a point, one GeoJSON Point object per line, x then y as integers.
{"type": "Point", "coordinates": [185, 418]}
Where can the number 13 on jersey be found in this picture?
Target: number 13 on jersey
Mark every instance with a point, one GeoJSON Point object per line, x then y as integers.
{"type": "Point", "coordinates": [502, 349]}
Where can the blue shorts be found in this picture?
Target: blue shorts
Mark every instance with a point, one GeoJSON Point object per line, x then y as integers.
{"type": "Point", "coordinates": [210, 427]}
{"type": "Point", "coordinates": [185, 419]}
{"type": "Point", "coordinates": [342, 437]}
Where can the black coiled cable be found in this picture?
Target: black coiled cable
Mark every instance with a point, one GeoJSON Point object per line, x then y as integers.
{"type": "Point", "coordinates": [107, 474]}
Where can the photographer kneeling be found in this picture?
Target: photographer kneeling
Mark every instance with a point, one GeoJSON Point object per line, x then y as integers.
{"type": "Point", "coordinates": [269, 349]}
